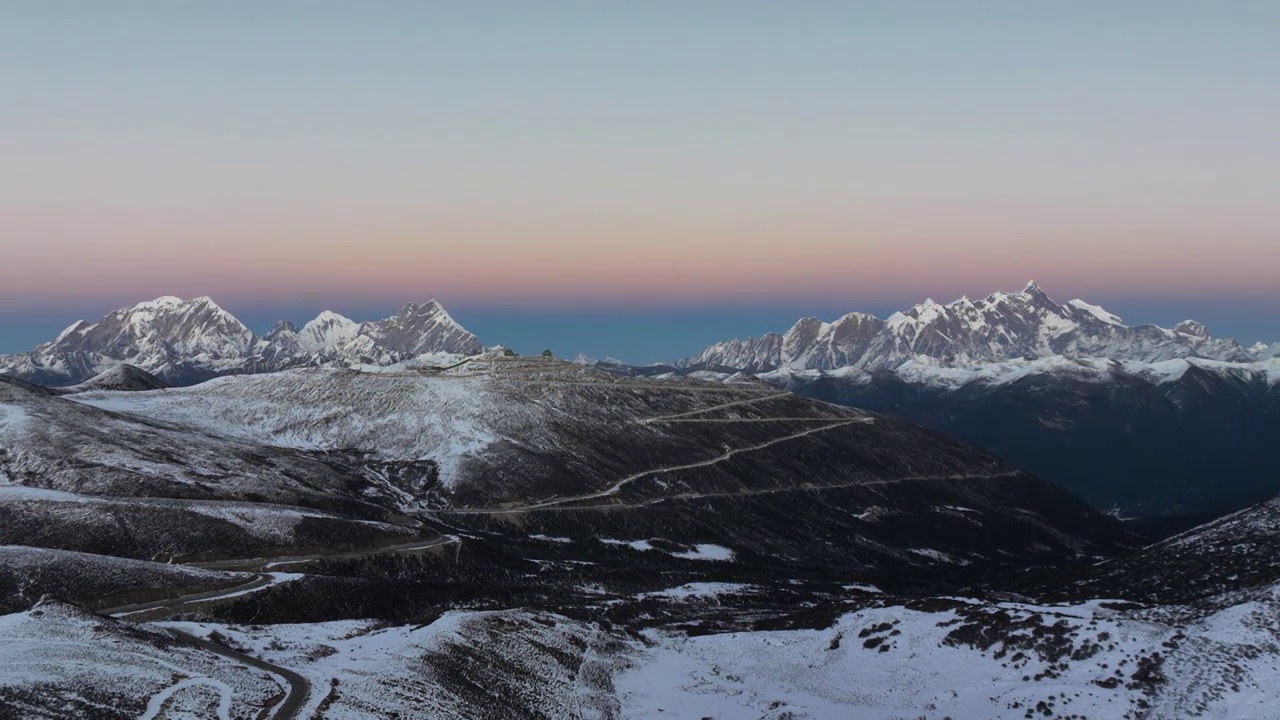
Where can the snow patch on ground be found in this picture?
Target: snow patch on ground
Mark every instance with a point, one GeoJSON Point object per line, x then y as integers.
{"type": "Point", "coordinates": [698, 589]}
{"type": "Point", "coordinates": [936, 555]}
{"type": "Point", "coordinates": [863, 587]}
{"type": "Point", "coordinates": [641, 545]}
{"type": "Point", "coordinates": [707, 552]}
{"type": "Point", "coordinates": [13, 416]}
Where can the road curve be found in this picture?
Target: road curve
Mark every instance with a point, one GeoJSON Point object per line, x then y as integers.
{"type": "Point", "coordinates": [124, 610]}
{"type": "Point", "coordinates": [613, 489]}
{"type": "Point", "coordinates": [262, 564]}
{"type": "Point", "coordinates": [701, 411]}
{"type": "Point", "coordinates": [298, 688]}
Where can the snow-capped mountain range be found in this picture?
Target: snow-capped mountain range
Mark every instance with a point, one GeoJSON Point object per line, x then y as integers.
{"type": "Point", "coordinates": [185, 341]}
{"type": "Point", "coordinates": [999, 328]}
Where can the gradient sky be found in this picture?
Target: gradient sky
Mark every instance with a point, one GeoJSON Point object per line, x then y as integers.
{"type": "Point", "coordinates": [637, 179]}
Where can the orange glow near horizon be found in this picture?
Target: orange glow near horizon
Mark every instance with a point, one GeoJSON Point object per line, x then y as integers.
{"type": "Point", "coordinates": [607, 156]}
{"type": "Point", "coordinates": [562, 262]}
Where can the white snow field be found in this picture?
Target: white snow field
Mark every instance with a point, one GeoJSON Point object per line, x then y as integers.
{"type": "Point", "coordinates": [58, 659]}
{"type": "Point", "coordinates": [892, 663]}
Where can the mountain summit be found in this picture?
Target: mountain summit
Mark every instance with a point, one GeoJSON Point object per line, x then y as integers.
{"type": "Point", "coordinates": [1003, 326]}
{"type": "Point", "coordinates": [186, 341]}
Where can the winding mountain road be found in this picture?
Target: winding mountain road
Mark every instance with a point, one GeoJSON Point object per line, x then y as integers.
{"type": "Point", "coordinates": [557, 503]}
{"type": "Point", "coordinates": [266, 570]}
{"type": "Point", "coordinates": [296, 687]}
{"type": "Point", "coordinates": [297, 692]}
{"type": "Point", "coordinates": [701, 411]}
{"type": "Point", "coordinates": [263, 564]}
{"type": "Point", "coordinates": [123, 611]}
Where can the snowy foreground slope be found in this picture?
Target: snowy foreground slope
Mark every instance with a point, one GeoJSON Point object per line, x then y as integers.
{"type": "Point", "coordinates": [934, 658]}
{"type": "Point", "coordinates": [535, 539]}
{"type": "Point", "coordinates": [62, 662]}
{"type": "Point", "coordinates": [973, 660]}
{"type": "Point", "coordinates": [494, 432]}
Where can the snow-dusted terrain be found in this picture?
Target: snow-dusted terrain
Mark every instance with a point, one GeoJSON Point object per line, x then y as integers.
{"type": "Point", "coordinates": [58, 661]}
{"type": "Point", "coordinates": [52, 442]}
{"type": "Point", "coordinates": [528, 538]}
{"type": "Point", "coordinates": [965, 658]}
{"type": "Point", "coordinates": [29, 573]}
{"type": "Point", "coordinates": [573, 432]}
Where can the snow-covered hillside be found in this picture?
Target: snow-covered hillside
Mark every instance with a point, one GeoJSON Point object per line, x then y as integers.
{"type": "Point", "coordinates": [58, 661]}
{"type": "Point", "coordinates": [122, 377]}
{"type": "Point", "coordinates": [530, 538]}
{"type": "Point", "coordinates": [928, 372]}
{"type": "Point", "coordinates": [965, 658]}
{"type": "Point", "coordinates": [882, 658]}
{"type": "Point", "coordinates": [28, 574]}
{"type": "Point", "coordinates": [49, 441]}
{"type": "Point", "coordinates": [500, 431]}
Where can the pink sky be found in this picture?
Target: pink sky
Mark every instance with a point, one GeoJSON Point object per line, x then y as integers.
{"type": "Point", "coordinates": [608, 156]}
{"type": "Point", "coordinates": [228, 253]}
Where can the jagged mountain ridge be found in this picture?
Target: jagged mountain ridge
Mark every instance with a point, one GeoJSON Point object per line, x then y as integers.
{"type": "Point", "coordinates": [1001, 327]}
{"type": "Point", "coordinates": [186, 341]}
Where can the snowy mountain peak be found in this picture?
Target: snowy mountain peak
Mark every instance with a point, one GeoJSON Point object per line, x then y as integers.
{"type": "Point", "coordinates": [1263, 351]}
{"type": "Point", "coordinates": [1002, 327]}
{"type": "Point", "coordinates": [327, 331]}
{"type": "Point", "coordinates": [283, 327]}
{"type": "Point", "coordinates": [329, 316]}
{"type": "Point", "coordinates": [429, 307]}
{"type": "Point", "coordinates": [422, 327]}
{"type": "Point", "coordinates": [1192, 328]}
{"type": "Point", "coordinates": [160, 302]}
{"type": "Point", "coordinates": [184, 341]}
